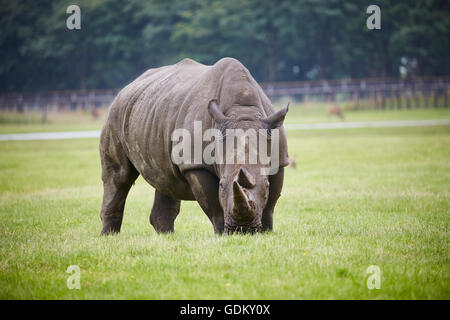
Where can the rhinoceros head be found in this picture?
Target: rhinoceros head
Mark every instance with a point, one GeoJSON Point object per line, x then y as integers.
{"type": "Point", "coordinates": [243, 189]}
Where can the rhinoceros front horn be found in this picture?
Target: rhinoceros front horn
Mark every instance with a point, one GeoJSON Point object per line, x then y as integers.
{"type": "Point", "coordinates": [241, 201]}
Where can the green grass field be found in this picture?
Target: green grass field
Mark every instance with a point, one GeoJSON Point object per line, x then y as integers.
{"type": "Point", "coordinates": [358, 197]}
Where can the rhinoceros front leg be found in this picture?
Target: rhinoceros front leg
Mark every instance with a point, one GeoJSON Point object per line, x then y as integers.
{"type": "Point", "coordinates": [276, 184]}
{"type": "Point", "coordinates": [205, 187]}
{"type": "Point", "coordinates": [164, 213]}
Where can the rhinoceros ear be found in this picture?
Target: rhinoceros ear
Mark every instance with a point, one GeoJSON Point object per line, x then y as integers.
{"type": "Point", "coordinates": [215, 112]}
{"type": "Point", "coordinates": [276, 120]}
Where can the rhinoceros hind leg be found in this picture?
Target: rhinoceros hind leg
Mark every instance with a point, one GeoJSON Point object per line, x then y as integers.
{"type": "Point", "coordinates": [118, 175]}
{"type": "Point", "coordinates": [164, 213]}
{"type": "Point", "coordinates": [276, 184]}
{"type": "Point", "coordinates": [205, 187]}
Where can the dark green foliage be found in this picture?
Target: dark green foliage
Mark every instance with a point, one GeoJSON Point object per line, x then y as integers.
{"type": "Point", "coordinates": [283, 40]}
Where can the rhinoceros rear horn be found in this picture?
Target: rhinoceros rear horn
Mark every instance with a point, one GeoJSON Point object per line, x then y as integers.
{"type": "Point", "coordinates": [276, 120]}
{"type": "Point", "coordinates": [245, 179]}
{"type": "Point", "coordinates": [215, 112]}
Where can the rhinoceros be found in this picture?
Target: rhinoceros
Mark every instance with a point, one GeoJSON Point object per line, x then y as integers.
{"type": "Point", "coordinates": [136, 139]}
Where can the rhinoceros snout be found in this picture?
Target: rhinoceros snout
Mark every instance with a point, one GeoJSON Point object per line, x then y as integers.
{"type": "Point", "coordinates": [242, 229]}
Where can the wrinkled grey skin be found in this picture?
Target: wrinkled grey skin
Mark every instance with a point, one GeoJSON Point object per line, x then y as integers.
{"type": "Point", "coordinates": [136, 139]}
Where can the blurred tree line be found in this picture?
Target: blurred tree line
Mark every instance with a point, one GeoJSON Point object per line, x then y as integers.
{"type": "Point", "coordinates": [284, 40]}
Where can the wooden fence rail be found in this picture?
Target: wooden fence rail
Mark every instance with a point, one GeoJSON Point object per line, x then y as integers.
{"type": "Point", "coordinates": [382, 93]}
{"type": "Point", "coordinates": [420, 92]}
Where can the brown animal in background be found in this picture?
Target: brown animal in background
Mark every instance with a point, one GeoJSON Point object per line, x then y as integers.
{"type": "Point", "coordinates": [292, 163]}
{"type": "Point", "coordinates": [335, 111]}
{"type": "Point", "coordinates": [95, 113]}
